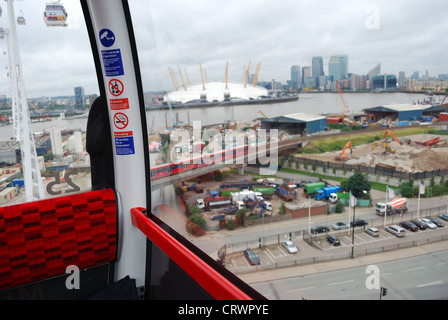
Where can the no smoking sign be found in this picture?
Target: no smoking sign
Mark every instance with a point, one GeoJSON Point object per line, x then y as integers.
{"type": "Point", "coordinates": [121, 121]}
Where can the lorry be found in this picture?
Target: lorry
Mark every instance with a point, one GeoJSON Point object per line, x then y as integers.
{"type": "Point", "coordinates": [265, 190]}
{"type": "Point", "coordinates": [286, 193]}
{"type": "Point", "coordinates": [245, 194]}
{"type": "Point", "coordinates": [311, 188]}
{"type": "Point", "coordinates": [398, 205]}
{"type": "Point", "coordinates": [329, 192]}
{"type": "Point", "coordinates": [212, 203]}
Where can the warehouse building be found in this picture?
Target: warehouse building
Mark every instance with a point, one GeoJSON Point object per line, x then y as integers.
{"type": "Point", "coordinates": [297, 123]}
{"type": "Point", "coordinates": [403, 113]}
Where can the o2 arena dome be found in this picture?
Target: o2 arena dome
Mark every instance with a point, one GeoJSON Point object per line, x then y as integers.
{"type": "Point", "coordinates": [216, 92]}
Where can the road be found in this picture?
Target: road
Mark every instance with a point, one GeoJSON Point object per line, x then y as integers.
{"type": "Point", "coordinates": [419, 278]}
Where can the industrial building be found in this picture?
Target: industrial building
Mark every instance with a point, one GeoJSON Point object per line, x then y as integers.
{"type": "Point", "coordinates": [404, 113]}
{"type": "Point", "coordinates": [297, 123]}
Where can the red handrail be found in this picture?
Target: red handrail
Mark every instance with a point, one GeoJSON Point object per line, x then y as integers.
{"type": "Point", "coordinates": [208, 278]}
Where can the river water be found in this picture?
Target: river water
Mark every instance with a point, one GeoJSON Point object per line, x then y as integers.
{"type": "Point", "coordinates": [312, 103]}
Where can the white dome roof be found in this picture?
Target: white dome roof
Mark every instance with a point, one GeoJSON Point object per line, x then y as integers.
{"type": "Point", "coordinates": [216, 91]}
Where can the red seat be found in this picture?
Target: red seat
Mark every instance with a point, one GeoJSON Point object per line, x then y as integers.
{"type": "Point", "coordinates": [39, 240]}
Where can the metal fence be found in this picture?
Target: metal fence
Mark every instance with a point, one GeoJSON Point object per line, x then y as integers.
{"type": "Point", "coordinates": [377, 170]}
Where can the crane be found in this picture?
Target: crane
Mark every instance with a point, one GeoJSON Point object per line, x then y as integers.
{"type": "Point", "coordinates": [346, 110]}
{"type": "Point", "coordinates": [341, 155]}
{"type": "Point", "coordinates": [262, 113]}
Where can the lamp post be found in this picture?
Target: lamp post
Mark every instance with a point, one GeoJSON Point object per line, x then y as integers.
{"type": "Point", "coordinates": [353, 227]}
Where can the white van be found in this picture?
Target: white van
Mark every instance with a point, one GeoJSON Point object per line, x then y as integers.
{"type": "Point", "coordinates": [396, 230]}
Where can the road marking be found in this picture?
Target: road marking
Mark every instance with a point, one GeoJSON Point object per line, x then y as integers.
{"type": "Point", "coordinates": [270, 255]}
{"type": "Point", "coordinates": [430, 284]}
{"type": "Point", "coordinates": [336, 283]}
{"type": "Point", "coordinates": [301, 289]}
{"type": "Point", "coordinates": [413, 269]}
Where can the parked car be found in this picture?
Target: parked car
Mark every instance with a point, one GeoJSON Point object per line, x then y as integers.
{"type": "Point", "coordinates": [358, 223]}
{"type": "Point", "coordinates": [409, 225]}
{"type": "Point", "coordinates": [429, 223]}
{"type": "Point", "coordinates": [437, 222]}
{"type": "Point", "coordinates": [334, 240]}
{"type": "Point", "coordinates": [252, 257]}
{"type": "Point", "coordinates": [420, 224]}
{"type": "Point", "coordinates": [443, 216]}
{"type": "Point", "coordinates": [319, 229]}
{"type": "Point", "coordinates": [290, 246]}
{"type": "Point", "coordinates": [374, 232]}
{"type": "Point", "coordinates": [339, 226]}
{"type": "Point", "coordinates": [396, 230]}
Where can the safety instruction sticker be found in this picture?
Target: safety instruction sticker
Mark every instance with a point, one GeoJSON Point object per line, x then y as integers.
{"type": "Point", "coordinates": [113, 64]}
{"type": "Point", "coordinates": [116, 87]}
{"type": "Point", "coordinates": [124, 143]}
{"type": "Point", "coordinates": [119, 104]}
{"type": "Point", "coordinates": [121, 120]}
{"type": "Point", "coordinates": [107, 37]}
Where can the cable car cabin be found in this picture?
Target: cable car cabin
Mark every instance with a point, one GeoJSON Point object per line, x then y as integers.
{"type": "Point", "coordinates": [105, 242]}
{"type": "Point", "coordinates": [21, 20]}
{"type": "Point", "coordinates": [55, 15]}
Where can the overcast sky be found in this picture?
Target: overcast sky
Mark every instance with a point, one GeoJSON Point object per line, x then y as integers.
{"type": "Point", "coordinates": [401, 35]}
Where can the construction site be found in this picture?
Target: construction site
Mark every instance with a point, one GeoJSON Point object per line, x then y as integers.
{"type": "Point", "coordinates": [414, 153]}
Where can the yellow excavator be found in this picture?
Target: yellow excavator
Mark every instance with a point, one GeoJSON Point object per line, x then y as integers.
{"type": "Point", "coordinates": [385, 145]}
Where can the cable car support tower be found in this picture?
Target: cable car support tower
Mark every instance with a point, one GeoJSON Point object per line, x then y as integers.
{"type": "Point", "coordinates": [22, 124]}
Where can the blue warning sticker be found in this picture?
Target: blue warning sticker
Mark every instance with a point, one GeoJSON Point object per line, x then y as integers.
{"type": "Point", "coordinates": [113, 64]}
{"type": "Point", "coordinates": [107, 38]}
{"type": "Point", "coordinates": [124, 143]}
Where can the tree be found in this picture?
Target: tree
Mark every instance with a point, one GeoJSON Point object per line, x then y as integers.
{"type": "Point", "coordinates": [357, 184]}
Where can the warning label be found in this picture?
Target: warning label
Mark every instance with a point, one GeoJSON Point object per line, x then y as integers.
{"type": "Point", "coordinates": [113, 65]}
{"type": "Point", "coordinates": [116, 87]}
{"type": "Point", "coordinates": [124, 143]}
{"type": "Point", "coordinates": [119, 104]}
{"type": "Point", "coordinates": [121, 121]}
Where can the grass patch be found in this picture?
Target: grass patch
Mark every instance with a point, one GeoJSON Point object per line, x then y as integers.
{"type": "Point", "coordinates": [337, 143]}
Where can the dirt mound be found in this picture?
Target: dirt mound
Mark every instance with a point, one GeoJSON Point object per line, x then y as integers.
{"type": "Point", "coordinates": [406, 157]}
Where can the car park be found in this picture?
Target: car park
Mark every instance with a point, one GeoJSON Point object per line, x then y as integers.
{"type": "Point", "coordinates": [290, 246]}
{"type": "Point", "coordinates": [319, 229]}
{"type": "Point", "coordinates": [420, 224]}
{"type": "Point", "coordinates": [395, 230]}
{"type": "Point", "coordinates": [374, 232]}
{"type": "Point", "coordinates": [252, 257]}
{"type": "Point", "coordinates": [443, 216]}
{"type": "Point", "coordinates": [409, 225]}
{"type": "Point", "coordinates": [436, 221]}
{"type": "Point", "coordinates": [334, 240]}
{"type": "Point", "coordinates": [429, 223]}
{"type": "Point", "coordinates": [339, 226]}
{"type": "Point", "coordinates": [358, 223]}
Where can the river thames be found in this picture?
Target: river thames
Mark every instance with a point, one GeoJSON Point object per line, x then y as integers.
{"type": "Point", "coordinates": [312, 103]}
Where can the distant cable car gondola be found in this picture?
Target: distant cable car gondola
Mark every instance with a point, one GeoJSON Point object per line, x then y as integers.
{"type": "Point", "coordinates": [21, 19]}
{"type": "Point", "coordinates": [55, 15]}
